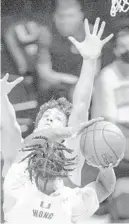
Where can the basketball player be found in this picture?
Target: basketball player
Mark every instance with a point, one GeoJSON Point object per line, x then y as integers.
{"type": "Point", "coordinates": [39, 194]}
{"type": "Point", "coordinates": [90, 50]}
{"type": "Point", "coordinates": [57, 118]}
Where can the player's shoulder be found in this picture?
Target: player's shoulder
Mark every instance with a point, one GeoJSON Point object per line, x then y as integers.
{"type": "Point", "coordinates": [86, 203]}
{"type": "Point", "coordinates": [89, 191]}
{"type": "Point", "coordinates": [90, 198]}
{"type": "Point", "coordinates": [88, 195]}
{"type": "Point", "coordinates": [16, 171]}
{"type": "Point", "coordinates": [16, 180]}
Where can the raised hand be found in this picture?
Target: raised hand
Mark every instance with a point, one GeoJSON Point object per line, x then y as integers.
{"type": "Point", "coordinates": [91, 47]}
{"type": "Point", "coordinates": [85, 125]}
{"type": "Point", "coordinates": [6, 87]}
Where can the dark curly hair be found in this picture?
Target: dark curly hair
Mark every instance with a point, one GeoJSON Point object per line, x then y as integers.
{"type": "Point", "coordinates": [62, 104]}
{"type": "Point", "coordinates": [47, 161]}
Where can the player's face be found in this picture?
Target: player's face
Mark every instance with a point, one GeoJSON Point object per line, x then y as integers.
{"type": "Point", "coordinates": [68, 20]}
{"type": "Point", "coordinates": [52, 118]}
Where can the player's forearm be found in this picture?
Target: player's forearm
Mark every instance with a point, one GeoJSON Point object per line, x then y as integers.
{"type": "Point", "coordinates": [105, 183]}
{"type": "Point", "coordinates": [8, 115]}
{"type": "Point", "coordinates": [103, 103]}
{"type": "Point", "coordinates": [84, 87]}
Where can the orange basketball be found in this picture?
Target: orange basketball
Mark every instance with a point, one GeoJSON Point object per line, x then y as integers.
{"type": "Point", "coordinates": [102, 143]}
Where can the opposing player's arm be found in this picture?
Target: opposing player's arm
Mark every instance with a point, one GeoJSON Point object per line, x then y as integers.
{"type": "Point", "coordinates": [57, 134]}
{"type": "Point", "coordinates": [83, 92]}
{"type": "Point", "coordinates": [105, 183]}
{"type": "Point", "coordinates": [90, 49]}
{"type": "Point", "coordinates": [10, 130]}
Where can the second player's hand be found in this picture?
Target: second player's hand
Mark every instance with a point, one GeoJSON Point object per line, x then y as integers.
{"type": "Point", "coordinates": [83, 126]}
{"type": "Point", "coordinates": [91, 47]}
{"type": "Point", "coordinates": [6, 87]}
{"type": "Point", "coordinates": [111, 165]}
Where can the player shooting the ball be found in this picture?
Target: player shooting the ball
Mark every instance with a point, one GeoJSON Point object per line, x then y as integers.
{"type": "Point", "coordinates": [46, 163]}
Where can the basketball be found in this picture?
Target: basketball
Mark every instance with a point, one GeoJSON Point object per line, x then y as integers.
{"type": "Point", "coordinates": [102, 143]}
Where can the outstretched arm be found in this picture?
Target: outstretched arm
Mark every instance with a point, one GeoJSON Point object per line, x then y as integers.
{"type": "Point", "coordinates": [90, 49]}
{"type": "Point", "coordinates": [57, 134]}
{"type": "Point", "coordinates": [10, 130]}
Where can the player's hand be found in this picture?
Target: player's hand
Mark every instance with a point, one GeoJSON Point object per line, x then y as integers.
{"type": "Point", "coordinates": [57, 134]}
{"type": "Point", "coordinates": [6, 87]}
{"type": "Point", "coordinates": [84, 125]}
{"type": "Point", "coordinates": [111, 165]}
{"type": "Point", "coordinates": [91, 47]}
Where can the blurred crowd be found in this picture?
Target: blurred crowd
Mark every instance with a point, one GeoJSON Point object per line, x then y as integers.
{"type": "Point", "coordinates": [35, 45]}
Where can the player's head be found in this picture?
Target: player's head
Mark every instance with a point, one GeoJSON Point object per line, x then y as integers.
{"type": "Point", "coordinates": [68, 16]}
{"type": "Point", "coordinates": [54, 113]}
{"type": "Point", "coordinates": [122, 45]}
{"type": "Point", "coordinates": [47, 164]}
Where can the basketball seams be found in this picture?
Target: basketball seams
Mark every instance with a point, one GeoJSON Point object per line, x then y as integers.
{"type": "Point", "coordinates": [99, 131]}
{"type": "Point", "coordinates": [107, 131]}
{"type": "Point", "coordinates": [94, 143]}
{"type": "Point", "coordinates": [107, 142]}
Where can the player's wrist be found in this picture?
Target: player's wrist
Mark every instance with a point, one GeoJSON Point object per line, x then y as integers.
{"type": "Point", "coordinates": [72, 131]}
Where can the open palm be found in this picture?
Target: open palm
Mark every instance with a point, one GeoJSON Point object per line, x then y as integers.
{"type": "Point", "coordinates": [6, 87]}
{"type": "Point", "coordinates": [91, 47]}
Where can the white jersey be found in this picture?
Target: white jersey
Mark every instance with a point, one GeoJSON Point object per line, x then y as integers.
{"type": "Point", "coordinates": [32, 206]}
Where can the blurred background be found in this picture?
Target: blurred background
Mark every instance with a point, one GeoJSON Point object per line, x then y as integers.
{"type": "Point", "coordinates": [34, 44]}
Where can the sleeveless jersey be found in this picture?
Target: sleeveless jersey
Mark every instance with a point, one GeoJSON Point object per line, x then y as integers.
{"type": "Point", "coordinates": [32, 206]}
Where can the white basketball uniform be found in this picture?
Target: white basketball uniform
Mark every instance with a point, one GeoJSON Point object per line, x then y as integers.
{"type": "Point", "coordinates": [32, 206]}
